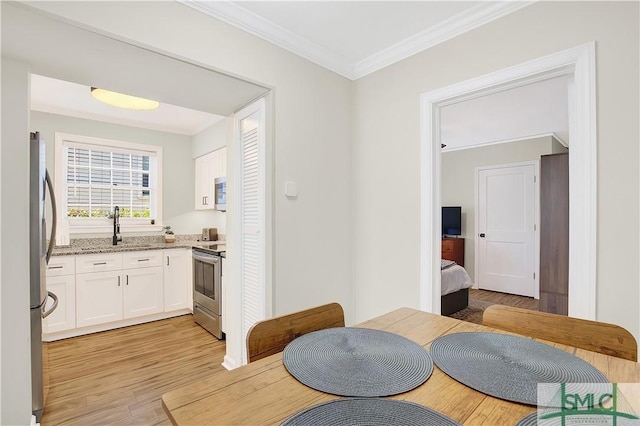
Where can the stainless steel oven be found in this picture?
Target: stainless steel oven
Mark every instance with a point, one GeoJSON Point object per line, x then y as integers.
{"type": "Point", "coordinates": [207, 291]}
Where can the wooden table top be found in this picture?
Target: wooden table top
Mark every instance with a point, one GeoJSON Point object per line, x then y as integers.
{"type": "Point", "coordinates": [263, 392]}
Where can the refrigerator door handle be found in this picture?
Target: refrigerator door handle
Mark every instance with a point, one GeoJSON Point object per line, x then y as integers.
{"type": "Point", "coordinates": [54, 217]}
{"type": "Point", "coordinates": [53, 308]}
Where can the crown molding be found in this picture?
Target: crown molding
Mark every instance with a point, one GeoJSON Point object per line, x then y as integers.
{"type": "Point", "coordinates": [456, 25]}
{"type": "Point", "coordinates": [239, 17]}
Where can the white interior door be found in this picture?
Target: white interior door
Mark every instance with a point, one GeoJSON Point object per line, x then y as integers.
{"type": "Point", "coordinates": [506, 212]}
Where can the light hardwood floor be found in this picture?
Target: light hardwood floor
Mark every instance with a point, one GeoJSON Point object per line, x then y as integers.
{"type": "Point", "coordinates": [505, 299]}
{"type": "Point", "coordinates": [118, 377]}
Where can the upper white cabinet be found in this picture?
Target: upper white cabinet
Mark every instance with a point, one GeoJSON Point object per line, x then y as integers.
{"type": "Point", "coordinates": [204, 183]}
{"type": "Point", "coordinates": [177, 279]}
{"type": "Point", "coordinates": [208, 167]}
{"type": "Point", "coordinates": [220, 163]}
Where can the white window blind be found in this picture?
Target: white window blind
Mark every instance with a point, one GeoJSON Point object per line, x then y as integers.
{"type": "Point", "coordinates": [95, 175]}
{"type": "Point", "coordinates": [97, 180]}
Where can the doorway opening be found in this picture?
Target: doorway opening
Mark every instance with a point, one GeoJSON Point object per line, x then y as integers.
{"type": "Point", "coordinates": [579, 65]}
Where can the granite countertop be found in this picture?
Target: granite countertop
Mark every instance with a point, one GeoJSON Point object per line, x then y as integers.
{"type": "Point", "coordinates": [105, 245]}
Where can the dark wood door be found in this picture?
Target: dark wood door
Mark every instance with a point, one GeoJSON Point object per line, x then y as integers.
{"type": "Point", "coordinates": [554, 233]}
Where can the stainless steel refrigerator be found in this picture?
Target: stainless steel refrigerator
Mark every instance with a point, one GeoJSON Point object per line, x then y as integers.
{"type": "Point", "coordinates": [39, 253]}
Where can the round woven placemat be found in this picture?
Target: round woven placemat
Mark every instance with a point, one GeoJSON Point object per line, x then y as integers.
{"type": "Point", "coordinates": [363, 362]}
{"type": "Point", "coordinates": [530, 420]}
{"type": "Point", "coordinates": [370, 412]}
{"type": "Point", "coordinates": [508, 367]}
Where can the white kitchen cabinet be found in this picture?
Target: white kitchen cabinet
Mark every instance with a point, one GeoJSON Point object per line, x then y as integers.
{"type": "Point", "coordinates": [105, 292]}
{"type": "Point", "coordinates": [100, 262]}
{"type": "Point", "coordinates": [177, 280]}
{"type": "Point", "coordinates": [142, 291]}
{"type": "Point", "coordinates": [98, 297]}
{"type": "Point", "coordinates": [207, 168]}
{"type": "Point", "coordinates": [204, 197]}
{"type": "Point", "coordinates": [220, 163]}
{"type": "Point", "coordinates": [61, 280]}
{"type": "Point", "coordinates": [141, 259]}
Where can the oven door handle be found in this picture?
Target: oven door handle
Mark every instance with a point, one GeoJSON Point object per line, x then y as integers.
{"type": "Point", "coordinates": [207, 258]}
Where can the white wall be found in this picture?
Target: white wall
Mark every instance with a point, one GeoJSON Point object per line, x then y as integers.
{"type": "Point", "coordinates": [213, 137]}
{"type": "Point", "coordinates": [387, 140]}
{"type": "Point", "coordinates": [14, 240]}
{"type": "Point", "coordinates": [178, 165]}
{"type": "Point", "coordinates": [458, 179]}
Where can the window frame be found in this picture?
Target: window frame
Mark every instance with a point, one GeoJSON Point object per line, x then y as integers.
{"type": "Point", "coordinates": [105, 225]}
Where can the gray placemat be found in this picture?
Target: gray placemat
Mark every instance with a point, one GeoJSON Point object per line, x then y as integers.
{"type": "Point", "coordinates": [350, 361]}
{"type": "Point", "coordinates": [530, 420]}
{"type": "Point", "coordinates": [370, 412]}
{"type": "Point", "coordinates": [508, 367]}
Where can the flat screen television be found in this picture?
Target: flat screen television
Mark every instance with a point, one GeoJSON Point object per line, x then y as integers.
{"type": "Point", "coordinates": [451, 221]}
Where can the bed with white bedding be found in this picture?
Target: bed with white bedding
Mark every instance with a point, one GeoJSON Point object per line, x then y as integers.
{"type": "Point", "coordinates": [455, 284]}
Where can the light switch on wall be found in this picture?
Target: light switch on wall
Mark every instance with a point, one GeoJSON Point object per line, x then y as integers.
{"type": "Point", "coordinates": [291, 189]}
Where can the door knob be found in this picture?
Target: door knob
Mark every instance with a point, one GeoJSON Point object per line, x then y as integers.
{"type": "Point", "coordinates": [482, 235]}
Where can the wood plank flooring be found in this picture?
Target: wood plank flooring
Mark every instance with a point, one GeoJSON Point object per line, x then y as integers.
{"type": "Point", "coordinates": [505, 299]}
{"type": "Point", "coordinates": [479, 300]}
{"type": "Point", "coordinates": [118, 377]}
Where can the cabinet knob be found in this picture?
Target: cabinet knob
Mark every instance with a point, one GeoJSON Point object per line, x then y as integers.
{"type": "Point", "coordinates": [482, 235]}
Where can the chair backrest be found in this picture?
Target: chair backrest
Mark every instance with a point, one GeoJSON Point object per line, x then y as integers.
{"type": "Point", "coordinates": [270, 336]}
{"type": "Point", "coordinates": [594, 336]}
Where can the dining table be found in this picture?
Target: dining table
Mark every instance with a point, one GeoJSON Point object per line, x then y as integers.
{"type": "Point", "coordinates": [265, 393]}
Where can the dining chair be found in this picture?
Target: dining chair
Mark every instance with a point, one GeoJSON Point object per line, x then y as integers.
{"type": "Point", "coordinates": [270, 336]}
{"type": "Point", "coordinates": [594, 336]}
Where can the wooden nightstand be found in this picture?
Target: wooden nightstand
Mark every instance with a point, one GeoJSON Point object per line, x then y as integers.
{"type": "Point", "coordinates": [453, 249]}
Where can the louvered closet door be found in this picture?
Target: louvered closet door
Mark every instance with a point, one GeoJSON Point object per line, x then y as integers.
{"type": "Point", "coordinates": [252, 214]}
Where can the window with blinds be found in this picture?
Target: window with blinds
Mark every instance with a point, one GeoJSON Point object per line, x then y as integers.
{"type": "Point", "coordinates": [100, 176]}
{"type": "Point", "coordinates": [98, 180]}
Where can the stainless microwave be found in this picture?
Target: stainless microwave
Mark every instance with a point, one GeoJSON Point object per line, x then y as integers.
{"type": "Point", "coordinates": [221, 193]}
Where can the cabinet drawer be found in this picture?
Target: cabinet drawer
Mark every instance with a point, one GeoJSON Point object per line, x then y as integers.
{"type": "Point", "coordinates": [141, 259]}
{"type": "Point", "coordinates": [61, 265]}
{"type": "Point", "coordinates": [99, 262]}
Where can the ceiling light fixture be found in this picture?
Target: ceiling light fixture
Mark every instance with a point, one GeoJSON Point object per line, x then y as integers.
{"type": "Point", "coordinates": [123, 101]}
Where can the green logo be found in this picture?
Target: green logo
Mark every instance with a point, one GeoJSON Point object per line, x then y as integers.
{"type": "Point", "coordinates": [566, 404]}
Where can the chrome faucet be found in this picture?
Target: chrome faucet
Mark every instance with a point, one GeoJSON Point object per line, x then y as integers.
{"type": "Point", "coordinates": [116, 226]}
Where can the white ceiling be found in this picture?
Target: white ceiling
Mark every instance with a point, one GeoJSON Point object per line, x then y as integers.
{"type": "Point", "coordinates": [72, 99]}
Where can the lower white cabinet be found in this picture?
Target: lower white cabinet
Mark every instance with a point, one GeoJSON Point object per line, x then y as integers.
{"type": "Point", "coordinates": [98, 298]}
{"type": "Point", "coordinates": [177, 279]}
{"type": "Point", "coordinates": [98, 292]}
{"type": "Point", "coordinates": [119, 293]}
{"type": "Point", "coordinates": [61, 280]}
{"type": "Point", "coordinates": [142, 292]}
